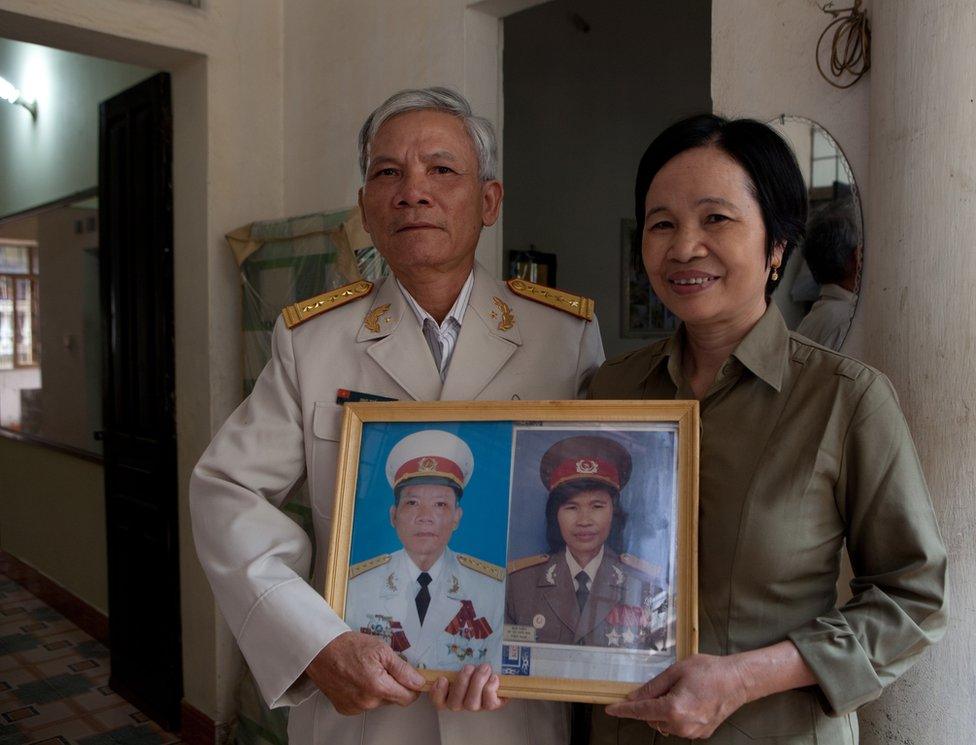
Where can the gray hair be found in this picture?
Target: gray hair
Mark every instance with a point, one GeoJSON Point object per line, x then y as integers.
{"type": "Point", "coordinates": [449, 101]}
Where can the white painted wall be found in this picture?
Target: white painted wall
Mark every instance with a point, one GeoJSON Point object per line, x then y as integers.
{"type": "Point", "coordinates": [57, 154]}
{"type": "Point", "coordinates": [763, 66]}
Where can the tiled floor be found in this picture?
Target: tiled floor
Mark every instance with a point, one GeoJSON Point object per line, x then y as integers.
{"type": "Point", "coordinates": [54, 682]}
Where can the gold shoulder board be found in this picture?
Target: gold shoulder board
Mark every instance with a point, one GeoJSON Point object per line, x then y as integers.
{"type": "Point", "coordinates": [482, 567]}
{"type": "Point", "coordinates": [304, 309]}
{"type": "Point", "coordinates": [640, 565]}
{"type": "Point", "coordinates": [575, 305]}
{"type": "Point", "coordinates": [527, 561]}
{"type": "Point", "coordinates": [364, 566]}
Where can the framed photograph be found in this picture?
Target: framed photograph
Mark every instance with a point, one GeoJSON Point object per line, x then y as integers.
{"type": "Point", "coordinates": [642, 314]}
{"type": "Point", "coordinates": [556, 540]}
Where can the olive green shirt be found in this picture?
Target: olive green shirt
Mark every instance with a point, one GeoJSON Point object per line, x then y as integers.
{"type": "Point", "coordinates": [802, 449]}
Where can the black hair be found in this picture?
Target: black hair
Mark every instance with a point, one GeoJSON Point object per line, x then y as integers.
{"type": "Point", "coordinates": [562, 494]}
{"type": "Point", "coordinates": [832, 239]}
{"type": "Point", "coordinates": [777, 183]}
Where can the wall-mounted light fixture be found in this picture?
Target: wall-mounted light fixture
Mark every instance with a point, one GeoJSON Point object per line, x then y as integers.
{"type": "Point", "coordinates": [9, 92]}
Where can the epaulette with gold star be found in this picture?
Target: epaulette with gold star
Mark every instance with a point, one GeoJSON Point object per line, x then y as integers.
{"type": "Point", "coordinates": [527, 561]}
{"type": "Point", "coordinates": [640, 565]}
{"type": "Point", "coordinates": [299, 312]}
{"type": "Point", "coordinates": [482, 567]}
{"type": "Point", "coordinates": [364, 566]}
{"type": "Point", "coordinates": [575, 305]}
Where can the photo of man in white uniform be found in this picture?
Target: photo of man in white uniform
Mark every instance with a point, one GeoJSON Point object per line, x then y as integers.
{"type": "Point", "coordinates": [438, 608]}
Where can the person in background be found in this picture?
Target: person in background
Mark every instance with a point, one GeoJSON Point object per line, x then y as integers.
{"type": "Point", "coordinates": [832, 250]}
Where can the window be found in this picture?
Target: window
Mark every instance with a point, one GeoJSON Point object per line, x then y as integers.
{"type": "Point", "coordinates": [19, 340]}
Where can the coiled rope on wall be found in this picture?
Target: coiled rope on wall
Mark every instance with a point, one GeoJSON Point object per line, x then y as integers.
{"type": "Point", "coordinates": [850, 45]}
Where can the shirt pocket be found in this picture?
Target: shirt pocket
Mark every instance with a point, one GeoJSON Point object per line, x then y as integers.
{"type": "Point", "coordinates": [782, 715]}
{"type": "Point", "coordinates": [326, 429]}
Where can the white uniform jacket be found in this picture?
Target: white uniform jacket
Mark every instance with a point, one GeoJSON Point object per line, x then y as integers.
{"type": "Point", "coordinates": [382, 601]}
{"type": "Point", "coordinates": [287, 430]}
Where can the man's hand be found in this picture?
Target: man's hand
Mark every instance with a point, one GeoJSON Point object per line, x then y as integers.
{"type": "Point", "coordinates": [473, 689]}
{"type": "Point", "coordinates": [689, 699]}
{"type": "Point", "coordinates": [358, 672]}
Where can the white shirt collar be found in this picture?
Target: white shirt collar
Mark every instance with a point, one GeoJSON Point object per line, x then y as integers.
{"type": "Point", "coordinates": [591, 568]}
{"type": "Point", "coordinates": [434, 572]}
{"type": "Point", "coordinates": [457, 310]}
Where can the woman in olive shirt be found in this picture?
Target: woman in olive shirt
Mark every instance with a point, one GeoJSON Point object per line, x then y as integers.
{"type": "Point", "coordinates": [802, 448]}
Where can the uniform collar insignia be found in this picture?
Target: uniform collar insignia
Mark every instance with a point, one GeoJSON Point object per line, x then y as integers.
{"type": "Point", "coordinates": [390, 586]}
{"type": "Point", "coordinates": [490, 300]}
{"type": "Point", "coordinates": [377, 317]}
{"type": "Point", "coordinates": [618, 575]}
{"type": "Point", "coordinates": [384, 314]}
{"type": "Point", "coordinates": [502, 313]}
{"type": "Point", "coordinates": [551, 575]}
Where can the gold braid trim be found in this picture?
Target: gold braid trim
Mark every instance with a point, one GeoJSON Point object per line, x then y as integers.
{"type": "Point", "coordinates": [575, 305]}
{"type": "Point", "coordinates": [299, 312]}
{"type": "Point", "coordinates": [482, 567]}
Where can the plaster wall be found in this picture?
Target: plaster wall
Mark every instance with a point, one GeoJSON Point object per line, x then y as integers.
{"type": "Point", "coordinates": [226, 64]}
{"type": "Point", "coordinates": [917, 321]}
{"type": "Point", "coordinates": [58, 525]}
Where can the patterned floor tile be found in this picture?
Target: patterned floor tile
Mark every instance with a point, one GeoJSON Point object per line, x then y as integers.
{"type": "Point", "coordinates": [53, 688]}
{"type": "Point", "coordinates": [54, 682]}
{"type": "Point", "coordinates": [71, 730]}
{"type": "Point", "coordinates": [16, 643]}
{"type": "Point", "coordinates": [43, 613]}
{"type": "Point", "coordinates": [92, 648]}
{"type": "Point", "coordinates": [10, 734]}
{"type": "Point", "coordinates": [142, 734]}
{"type": "Point", "coordinates": [19, 715]}
{"type": "Point", "coordinates": [79, 667]}
{"type": "Point", "coordinates": [117, 716]}
{"type": "Point", "coordinates": [95, 700]}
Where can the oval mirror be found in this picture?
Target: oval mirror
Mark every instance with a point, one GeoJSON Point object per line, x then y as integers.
{"type": "Point", "coordinates": [822, 279]}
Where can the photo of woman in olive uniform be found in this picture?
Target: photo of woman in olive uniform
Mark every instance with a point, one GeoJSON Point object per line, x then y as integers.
{"type": "Point", "coordinates": [586, 590]}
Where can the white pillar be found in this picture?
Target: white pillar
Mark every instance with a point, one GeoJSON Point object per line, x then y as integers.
{"type": "Point", "coordinates": [917, 319]}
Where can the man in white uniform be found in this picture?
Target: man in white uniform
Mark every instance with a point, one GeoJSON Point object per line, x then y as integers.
{"type": "Point", "coordinates": [437, 608]}
{"type": "Point", "coordinates": [440, 328]}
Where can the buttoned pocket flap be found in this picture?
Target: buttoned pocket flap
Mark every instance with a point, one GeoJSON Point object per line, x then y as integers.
{"type": "Point", "coordinates": [327, 420]}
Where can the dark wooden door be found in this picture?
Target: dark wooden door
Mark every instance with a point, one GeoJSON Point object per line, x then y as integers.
{"type": "Point", "coordinates": [136, 267]}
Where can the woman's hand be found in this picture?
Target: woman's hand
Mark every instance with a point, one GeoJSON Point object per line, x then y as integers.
{"type": "Point", "coordinates": [689, 699]}
{"type": "Point", "coordinates": [473, 689]}
{"type": "Point", "coordinates": [693, 697]}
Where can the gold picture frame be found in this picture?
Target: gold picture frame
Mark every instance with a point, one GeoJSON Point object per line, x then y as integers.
{"type": "Point", "coordinates": [664, 631]}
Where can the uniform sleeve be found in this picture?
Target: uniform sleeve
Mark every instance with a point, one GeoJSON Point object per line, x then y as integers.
{"type": "Point", "coordinates": [591, 356]}
{"type": "Point", "coordinates": [899, 605]}
{"type": "Point", "coordinates": [254, 555]}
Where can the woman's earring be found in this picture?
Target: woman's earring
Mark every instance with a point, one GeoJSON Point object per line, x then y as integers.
{"type": "Point", "coordinates": [775, 273]}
